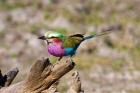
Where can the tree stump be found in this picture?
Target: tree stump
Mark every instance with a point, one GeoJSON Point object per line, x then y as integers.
{"type": "Point", "coordinates": [42, 78]}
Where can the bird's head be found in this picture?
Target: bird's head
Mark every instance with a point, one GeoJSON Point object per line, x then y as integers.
{"type": "Point", "coordinates": [50, 35]}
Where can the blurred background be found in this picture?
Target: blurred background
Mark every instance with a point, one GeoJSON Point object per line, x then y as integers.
{"type": "Point", "coordinates": [109, 64]}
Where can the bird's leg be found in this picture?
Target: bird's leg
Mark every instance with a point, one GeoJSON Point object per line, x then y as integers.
{"type": "Point", "coordinates": [70, 58]}
{"type": "Point", "coordinates": [60, 58]}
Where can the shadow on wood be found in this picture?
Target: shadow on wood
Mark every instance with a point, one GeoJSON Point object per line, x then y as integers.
{"type": "Point", "coordinates": [6, 80]}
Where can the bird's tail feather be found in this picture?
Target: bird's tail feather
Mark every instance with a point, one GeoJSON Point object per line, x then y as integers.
{"type": "Point", "coordinates": [105, 31]}
{"type": "Point", "coordinates": [97, 34]}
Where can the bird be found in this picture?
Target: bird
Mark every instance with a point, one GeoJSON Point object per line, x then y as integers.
{"type": "Point", "coordinates": [60, 45]}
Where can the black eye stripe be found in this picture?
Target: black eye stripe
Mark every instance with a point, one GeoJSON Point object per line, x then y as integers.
{"type": "Point", "coordinates": [49, 42]}
{"type": "Point", "coordinates": [52, 37]}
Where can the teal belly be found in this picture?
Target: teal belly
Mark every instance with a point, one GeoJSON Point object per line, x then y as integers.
{"type": "Point", "coordinates": [70, 51]}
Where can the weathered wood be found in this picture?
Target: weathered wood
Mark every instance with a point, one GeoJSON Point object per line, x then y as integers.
{"type": "Point", "coordinates": [10, 76]}
{"type": "Point", "coordinates": [41, 77]}
{"type": "Point", "coordinates": [5, 80]}
{"type": "Point", "coordinates": [52, 89]}
{"type": "Point", "coordinates": [75, 86]}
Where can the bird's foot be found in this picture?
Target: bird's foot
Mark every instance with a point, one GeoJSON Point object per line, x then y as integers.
{"type": "Point", "coordinates": [71, 60]}
{"type": "Point", "coordinates": [60, 58]}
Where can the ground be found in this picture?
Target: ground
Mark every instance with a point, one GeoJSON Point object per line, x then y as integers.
{"type": "Point", "coordinates": [109, 64]}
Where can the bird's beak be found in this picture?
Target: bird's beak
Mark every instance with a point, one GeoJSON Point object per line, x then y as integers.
{"type": "Point", "coordinates": [42, 37]}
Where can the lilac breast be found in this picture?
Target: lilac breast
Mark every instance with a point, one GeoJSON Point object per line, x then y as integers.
{"type": "Point", "coordinates": [56, 50]}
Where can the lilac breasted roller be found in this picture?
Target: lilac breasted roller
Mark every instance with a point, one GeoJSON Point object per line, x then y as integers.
{"type": "Point", "coordinates": [60, 45]}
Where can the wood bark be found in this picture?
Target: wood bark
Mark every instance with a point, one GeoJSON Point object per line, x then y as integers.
{"type": "Point", "coordinates": [75, 85]}
{"type": "Point", "coordinates": [42, 78]}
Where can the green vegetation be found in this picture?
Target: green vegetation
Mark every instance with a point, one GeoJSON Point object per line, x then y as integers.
{"type": "Point", "coordinates": [117, 65]}
{"type": "Point", "coordinates": [4, 5]}
{"type": "Point", "coordinates": [14, 55]}
{"type": "Point", "coordinates": [134, 91]}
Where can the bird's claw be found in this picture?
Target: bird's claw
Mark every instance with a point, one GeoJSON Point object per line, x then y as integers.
{"type": "Point", "coordinates": [71, 60]}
